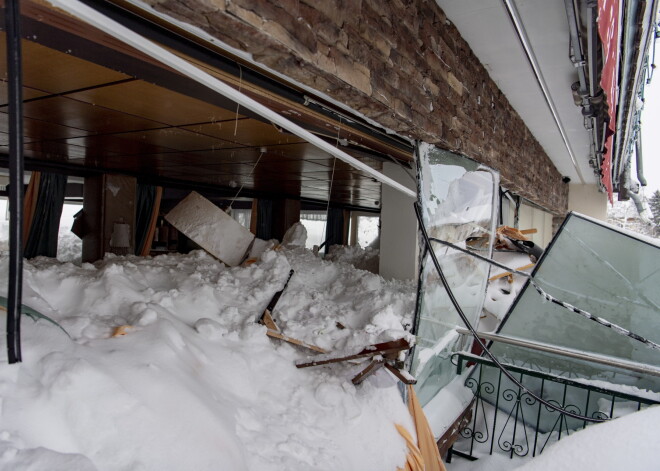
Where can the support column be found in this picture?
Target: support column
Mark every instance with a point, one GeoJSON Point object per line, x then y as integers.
{"type": "Point", "coordinates": [107, 199]}
{"type": "Point", "coordinates": [398, 228]}
{"type": "Point", "coordinates": [286, 212]}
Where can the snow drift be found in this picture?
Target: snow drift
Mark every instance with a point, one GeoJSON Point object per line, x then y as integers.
{"type": "Point", "coordinates": [195, 383]}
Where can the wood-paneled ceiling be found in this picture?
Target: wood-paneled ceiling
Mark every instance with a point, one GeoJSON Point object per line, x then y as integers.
{"type": "Point", "coordinates": [98, 105]}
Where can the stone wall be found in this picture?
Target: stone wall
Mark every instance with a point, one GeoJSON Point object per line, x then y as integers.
{"type": "Point", "coordinates": [398, 62]}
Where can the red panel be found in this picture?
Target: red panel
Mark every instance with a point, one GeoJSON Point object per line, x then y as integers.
{"type": "Point", "coordinates": [608, 29]}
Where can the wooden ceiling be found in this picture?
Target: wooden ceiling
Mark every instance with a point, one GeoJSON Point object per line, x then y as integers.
{"type": "Point", "coordinates": [81, 114]}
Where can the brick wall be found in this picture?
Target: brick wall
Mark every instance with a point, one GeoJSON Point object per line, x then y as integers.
{"type": "Point", "coordinates": [399, 62]}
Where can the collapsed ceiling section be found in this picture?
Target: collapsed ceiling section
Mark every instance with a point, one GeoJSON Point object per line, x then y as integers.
{"type": "Point", "coordinates": [94, 104]}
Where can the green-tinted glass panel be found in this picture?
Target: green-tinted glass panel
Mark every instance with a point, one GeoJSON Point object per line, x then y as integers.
{"type": "Point", "coordinates": [601, 270]}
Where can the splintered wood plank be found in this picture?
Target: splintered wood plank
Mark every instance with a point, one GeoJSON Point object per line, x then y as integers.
{"type": "Point", "coordinates": [268, 321]}
{"type": "Point", "coordinates": [277, 335]}
{"type": "Point", "coordinates": [385, 349]}
{"type": "Point", "coordinates": [374, 366]}
{"type": "Point", "coordinates": [401, 375]}
{"type": "Point", "coordinates": [508, 273]}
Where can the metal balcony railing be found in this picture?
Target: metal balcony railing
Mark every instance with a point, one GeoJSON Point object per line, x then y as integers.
{"type": "Point", "coordinates": [507, 418]}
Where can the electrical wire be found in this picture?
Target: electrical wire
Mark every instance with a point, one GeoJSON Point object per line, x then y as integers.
{"type": "Point", "coordinates": [243, 184]}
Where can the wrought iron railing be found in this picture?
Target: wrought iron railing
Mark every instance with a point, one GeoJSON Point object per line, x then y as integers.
{"type": "Point", "coordinates": [509, 418]}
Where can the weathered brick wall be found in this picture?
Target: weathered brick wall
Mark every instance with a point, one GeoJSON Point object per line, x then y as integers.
{"type": "Point", "coordinates": [399, 62]}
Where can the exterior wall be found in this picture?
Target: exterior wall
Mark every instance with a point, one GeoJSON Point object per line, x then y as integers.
{"type": "Point", "coordinates": [587, 200]}
{"type": "Point", "coordinates": [530, 217]}
{"type": "Point", "coordinates": [400, 63]}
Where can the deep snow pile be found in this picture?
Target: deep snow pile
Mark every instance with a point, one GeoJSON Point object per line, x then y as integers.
{"type": "Point", "coordinates": [195, 383]}
{"type": "Point", "coordinates": [631, 442]}
{"type": "Point", "coordinates": [362, 258]}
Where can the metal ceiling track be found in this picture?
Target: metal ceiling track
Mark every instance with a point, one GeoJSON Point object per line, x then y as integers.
{"type": "Point", "coordinates": [517, 23]}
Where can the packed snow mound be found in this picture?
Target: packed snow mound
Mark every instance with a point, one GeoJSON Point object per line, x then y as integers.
{"type": "Point", "coordinates": [295, 236]}
{"type": "Point", "coordinates": [630, 442]}
{"type": "Point", "coordinates": [194, 382]}
{"type": "Point", "coordinates": [362, 258]}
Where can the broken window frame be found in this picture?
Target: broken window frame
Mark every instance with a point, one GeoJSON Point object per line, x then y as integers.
{"type": "Point", "coordinates": [438, 368]}
{"type": "Point", "coordinates": [545, 362]}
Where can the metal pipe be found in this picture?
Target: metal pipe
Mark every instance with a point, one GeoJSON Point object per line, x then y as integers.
{"type": "Point", "coordinates": [640, 161]}
{"type": "Point", "coordinates": [592, 43]}
{"type": "Point", "coordinates": [577, 57]}
{"type": "Point", "coordinates": [529, 52]}
{"type": "Point", "coordinates": [566, 352]}
{"type": "Point", "coordinates": [142, 44]}
{"type": "Point", "coordinates": [15, 95]}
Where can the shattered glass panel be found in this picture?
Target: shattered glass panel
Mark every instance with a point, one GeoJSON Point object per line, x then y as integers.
{"type": "Point", "coordinates": [457, 196]}
{"type": "Point", "coordinates": [606, 272]}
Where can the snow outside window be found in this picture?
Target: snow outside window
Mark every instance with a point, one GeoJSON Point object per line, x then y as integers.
{"type": "Point", "coordinates": [69, 246]}
{"type": "Point", "coordinates": [4, 223]}
{"type": "Point", "coordinates": [315, 224]}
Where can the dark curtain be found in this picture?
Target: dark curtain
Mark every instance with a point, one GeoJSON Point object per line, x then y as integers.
{"type": "Point", "coordinates": [144, 207]}
{"type": "Point", "coordinates": [264, 219]}
{"type": "Point", "coordinates": [334, 231]}
{"type": "Point", "coordinates": [42, 237]}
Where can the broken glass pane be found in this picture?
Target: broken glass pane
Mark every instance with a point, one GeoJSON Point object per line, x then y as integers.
{"type": "Point", "coordinates": [457, 197]}
{"type": "Point", "coordinates": [606, 272]}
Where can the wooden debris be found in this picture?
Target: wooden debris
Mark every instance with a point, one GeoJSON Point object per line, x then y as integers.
{"type": "Point", "coordinates": [274, 331]}
{"type": "Point", "coordinates": [374, 366]}
{"type": "Point", "coordinates": [509, 274]}
{"type": "Point", "coordinates": [452, 434]}
{"type": "Point", "coordinates": [512, 232]}
{"type": "Point", "coordinates": [382, 355]}
{"type": "Point", "coordinates": [402, 375]}
{"type": "Point", "coordinates": [268, 321]}
{"type": "Point", "coordinates": [388, 350]}
{"type": "Point", "coordinates": [121, 330]}
{"type": "Point", "coordinates": [277, 335]}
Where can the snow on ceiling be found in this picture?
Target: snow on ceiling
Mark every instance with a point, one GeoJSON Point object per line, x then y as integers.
{"type": "Point", "coordinates": [487, 28]}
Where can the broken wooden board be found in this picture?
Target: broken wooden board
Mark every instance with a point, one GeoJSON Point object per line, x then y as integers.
{"type": "Point", "coordinates": [211, 228]}
{"type": "Point", "coordinates": [386, 349]}
{"type": "Point", "coordinates": [274, 331]}
{"type": "Point", "coordinates": [278, 335]}
{"type": "Point", "coordinates": [402, 375]}
{"type": "Point", "coordinates": [508, 273]}
{"type": "Point", "coordinates": [375, 365]}
{"type": "Point", "coordinates": [269, 322]}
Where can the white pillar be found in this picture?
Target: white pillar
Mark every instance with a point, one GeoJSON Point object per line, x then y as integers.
{"type": "Point", "coordinates": [398, 228]}
{"type": "Point", "coordinates": [587, 200]}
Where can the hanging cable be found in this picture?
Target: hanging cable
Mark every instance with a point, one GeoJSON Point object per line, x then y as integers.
{"type": "Point", "coordinates": [243, 184]}
{"type": "Point", "coordinates": [445, 283]}
{"type": "Point", "coordinates": [238, 105]}
{"type": "Point", "coordinates": [332, 179]}
{"type": "Point", "coordinates": [15, 92]}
